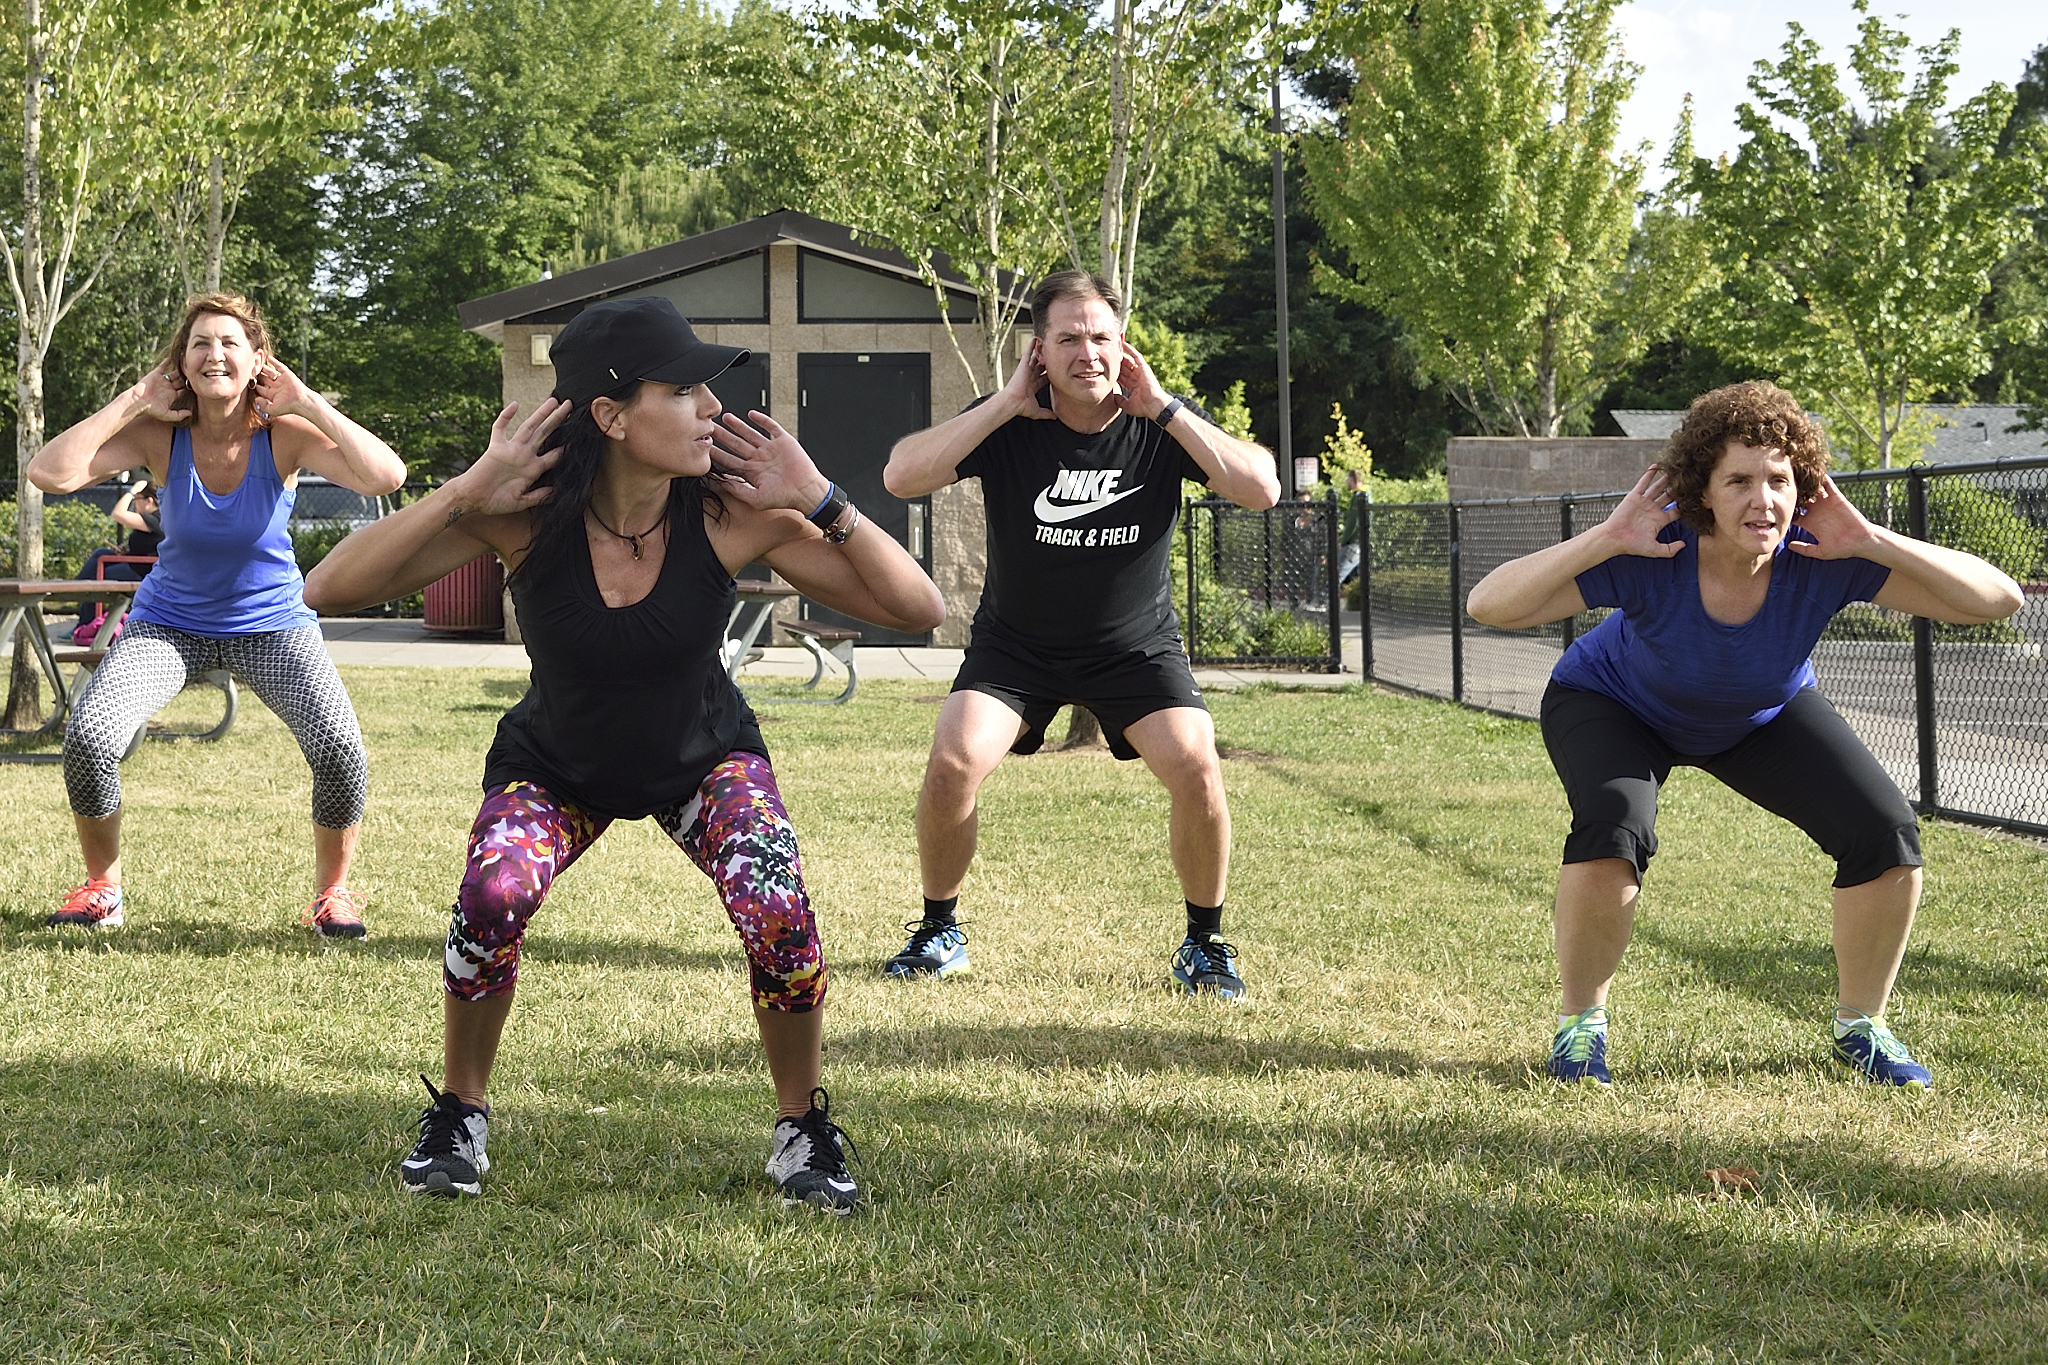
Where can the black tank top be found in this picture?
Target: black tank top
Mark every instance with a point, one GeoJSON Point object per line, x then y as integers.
{"type": "Point", "coordinates": [629, 707]}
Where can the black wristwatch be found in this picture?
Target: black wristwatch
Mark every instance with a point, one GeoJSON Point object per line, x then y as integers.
{"type": "Point", "coordinates": [831, 509]}
{"type": "Point", "coordinates": [1165, 417]}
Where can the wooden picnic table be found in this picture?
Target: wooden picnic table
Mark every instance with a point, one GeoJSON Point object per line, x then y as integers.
{"type": "Point", "coordinates": [23, 598]}
{"type": "Point", "coordinates": [749, 619]}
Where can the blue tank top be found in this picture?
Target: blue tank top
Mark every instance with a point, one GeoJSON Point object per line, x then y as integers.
{"type": "Point", "coordinates": [226, 565]}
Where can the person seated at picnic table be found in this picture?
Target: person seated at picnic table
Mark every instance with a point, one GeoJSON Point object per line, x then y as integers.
{"type": "Point", "coordinates": [622, 507]}
{"type": "Point", "coordinates": [1725, 563]}
{"type": "Point", "coordinates": [136, 511]}
{"type": "Point", "coordinates": [224, 429]}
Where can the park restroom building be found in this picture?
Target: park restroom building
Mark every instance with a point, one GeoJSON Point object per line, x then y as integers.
{"type": "Point", "coordinates": [849, 351]}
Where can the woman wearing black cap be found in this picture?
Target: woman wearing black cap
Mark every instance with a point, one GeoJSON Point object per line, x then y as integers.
{"type": "Point", "coordinates": [622, 507]}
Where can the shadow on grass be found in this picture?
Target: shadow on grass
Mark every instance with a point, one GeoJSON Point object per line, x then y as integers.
{"type": "Point", "coordinates": [1056, 1048]}
{"type": "Point", "coordinates": [200, 938]}
{"type": "Point", "coordinates": [1798, 978]}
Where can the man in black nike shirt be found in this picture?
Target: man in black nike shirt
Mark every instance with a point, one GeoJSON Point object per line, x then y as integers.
{"type": "Point", "coordinates": [1080, 456]}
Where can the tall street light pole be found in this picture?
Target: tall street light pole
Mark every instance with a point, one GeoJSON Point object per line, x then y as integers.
{"type": "Point", "coordinates": [1286, 450]}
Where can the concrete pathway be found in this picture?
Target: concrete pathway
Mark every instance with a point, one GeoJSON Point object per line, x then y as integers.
{"type": "Point", "coordinates": [407, 643]}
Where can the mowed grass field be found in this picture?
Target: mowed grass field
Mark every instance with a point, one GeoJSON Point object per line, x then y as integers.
{"type": "Point", "coordinates": [203, 1113]}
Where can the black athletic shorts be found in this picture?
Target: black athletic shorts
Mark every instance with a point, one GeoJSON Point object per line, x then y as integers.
{"type": "Point", "coordinates": [1806, 765]}
{"type": "Point", "coordinates": [1121, 688]}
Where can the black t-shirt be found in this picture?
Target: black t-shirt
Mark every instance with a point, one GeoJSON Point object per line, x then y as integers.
{"type": "Point", "coordinates": [1080, 529]}
{"type": "Point", "coordinates": [146, 542]}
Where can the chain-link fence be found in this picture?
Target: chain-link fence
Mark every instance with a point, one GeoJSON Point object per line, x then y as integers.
{"type": "Point", "coordinates": [1261, 588]}
{"type": "Point", "coordinates": [1958, 715]}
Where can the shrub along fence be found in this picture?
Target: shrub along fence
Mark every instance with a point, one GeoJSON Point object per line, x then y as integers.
{"type": "Point", "coordinates": [1958, 715]}
{"type": "Point", "coordinates": [1261, 588]}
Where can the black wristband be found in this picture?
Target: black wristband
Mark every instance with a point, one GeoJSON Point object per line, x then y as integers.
{"type": "Point", "coordinates": [1165, 417]}
{"type": "Point", "coordinates": [829, 510]}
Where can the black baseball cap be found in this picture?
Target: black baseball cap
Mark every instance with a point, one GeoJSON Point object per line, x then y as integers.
{"type": "Point", "coordinates": [637, 338]}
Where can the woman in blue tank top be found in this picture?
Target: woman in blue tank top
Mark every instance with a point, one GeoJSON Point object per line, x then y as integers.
{"type": "Point", "coordinates": [623, 507]}
{"type": "Point", "coordinates": [224, 429]}
{"type": "Point", "coordinates": [1724, 564]}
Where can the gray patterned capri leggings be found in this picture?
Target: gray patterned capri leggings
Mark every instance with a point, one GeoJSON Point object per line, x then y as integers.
{"type": "Point", "coordinates": [288, 669]}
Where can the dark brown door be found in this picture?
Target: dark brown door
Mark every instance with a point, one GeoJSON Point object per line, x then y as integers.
{"type": "Point", "coordinates": [854, 407]}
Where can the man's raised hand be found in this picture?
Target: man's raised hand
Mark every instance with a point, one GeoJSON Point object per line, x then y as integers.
{"type": "Point", "coordinates": [502, 480]}
{"type": "Point", "coordinates": [1020, 392]}
{"type": "Point", "coordinates": [1138, 391]}
{"type": "Point", "coordinates": [1636, 521]}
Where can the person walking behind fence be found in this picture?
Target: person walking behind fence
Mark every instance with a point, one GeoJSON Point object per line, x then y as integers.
{"type": "Point", "coordinates": [224, 429]}
{"type": "Point", "coordinates": [1725, 563]}
{"type": "Point", "coordinates": [623, 529]}
{"type": "Point", "coordinates": [1080, 456]}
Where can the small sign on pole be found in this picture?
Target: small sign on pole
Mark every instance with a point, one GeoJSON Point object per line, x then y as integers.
{"type": "Point", "coordinates": [1305, 473]}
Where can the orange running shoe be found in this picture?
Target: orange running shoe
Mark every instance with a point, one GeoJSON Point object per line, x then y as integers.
{"type": "Point", "coordinates": [336, 912]}
{"type": "Point", "coordinates": [94, 904]}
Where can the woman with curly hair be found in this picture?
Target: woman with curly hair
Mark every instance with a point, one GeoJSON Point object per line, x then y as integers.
{"type": "Point", "coordinates": [225, 430]}
{"type": "Point", "coordinates": [1724, 564]}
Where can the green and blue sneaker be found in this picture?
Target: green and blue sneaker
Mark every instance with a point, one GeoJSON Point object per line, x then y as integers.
{"type": "Point", "coordinates": [1578, 1054]}
{"type": "Point", "coordinates": [1866, 1045]}
{"type": "Point", "coordinates": [1208, 966]}
{"type": "Point", "coordinates": [935, 949]}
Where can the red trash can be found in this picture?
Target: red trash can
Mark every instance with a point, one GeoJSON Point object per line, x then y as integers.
{"type": "Point", "coordinates": [469, 601]}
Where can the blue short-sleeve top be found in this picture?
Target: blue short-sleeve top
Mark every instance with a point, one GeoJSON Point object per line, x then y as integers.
{"type": "Point", "coordinates": [1702, 685]}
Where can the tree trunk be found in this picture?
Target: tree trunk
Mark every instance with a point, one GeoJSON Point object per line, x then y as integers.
{"type": "Point", "coordinates": [24, 709]}
{"type": "Point", "coordinates": [1084, 731]}
{"type": "Point", "coordinates": [1110, 224]}
{"type": "Point", "coordinates": [216, 227]}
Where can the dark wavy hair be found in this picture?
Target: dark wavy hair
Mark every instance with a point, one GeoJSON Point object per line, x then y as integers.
{"type": "Point", "coordinates": [558, 522]}
{"type": "Point", "coordinates": [1754, 413]}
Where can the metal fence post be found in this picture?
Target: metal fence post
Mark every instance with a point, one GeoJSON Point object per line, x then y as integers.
{"type": "Point", "coordinates": [1336, 587]}
{"type": "Point", "coordinates": [1364, 506]}
{"type": "Point", "coordinates": [1457, 612]}
{"type": "Point", "coordinates": [1565, 628]}
{"type": "Point", "coordinates": [1923, 652]}
{"type": "Point", "coordinates": [1194, 621]}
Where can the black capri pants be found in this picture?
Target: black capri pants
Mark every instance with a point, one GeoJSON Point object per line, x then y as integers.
{"type": "Point", "coordinates": [1805, 765]}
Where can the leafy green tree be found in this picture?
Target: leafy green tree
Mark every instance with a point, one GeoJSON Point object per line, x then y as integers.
{"type": "Point", "coordinates": [486, 130]}
{"type": "Point", "coordinates": [1855, 240]}
{"type": "Point", "coordinates": [93, 123]}
{"type": "Point", "coordinates": [1477, 193]}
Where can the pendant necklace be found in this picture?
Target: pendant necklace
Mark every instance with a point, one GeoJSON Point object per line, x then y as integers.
{"type": "Point", "coordinates": [630, 538]}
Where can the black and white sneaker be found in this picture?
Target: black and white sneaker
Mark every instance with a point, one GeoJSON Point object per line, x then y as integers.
{"type": "Point", "coordinates": [807, 1159]}
{"type": "Point", "coordinates": [449, 1157]}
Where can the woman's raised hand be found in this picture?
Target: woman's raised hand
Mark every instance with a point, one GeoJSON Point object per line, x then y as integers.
{"type": "Point", "coordinates": [1840, 530]}
{"type": "Point", "coordinates": [163, 391]}
{"type": "Point", "coordinates": [1635, 523]}
{"type": "Point", "coordinates": [279, 392]}
{"type": "Point", "coordinates": [762, 465]}
{"type": "Point", "coordinates": [502, 480]}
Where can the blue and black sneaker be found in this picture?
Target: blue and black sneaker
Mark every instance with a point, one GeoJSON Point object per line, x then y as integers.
{"type": "Point", "coordinates": [934, 950]}
{"type": "Point", "coordinates": [1578, 1054]}
{"type": "Point", "coordinates": [1208, 966]}
{"type": "Point", "coordinates": [1867, 1045]}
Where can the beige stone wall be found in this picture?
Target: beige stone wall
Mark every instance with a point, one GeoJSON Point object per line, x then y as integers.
{"type": "Point", "coordinates": [1522, 467]}
{"type": "Point", "coordinates": [526, 383]}
{"type": "Point", "coordinates": [957, 531]}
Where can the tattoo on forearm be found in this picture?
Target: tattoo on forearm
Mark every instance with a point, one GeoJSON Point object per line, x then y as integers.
{"type": "Point", "coordinates": [454, 515]}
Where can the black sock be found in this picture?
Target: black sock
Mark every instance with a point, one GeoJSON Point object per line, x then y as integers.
{"type": "Point", "coordinates": [940, 912]}
{"type": "Point", "coordinates": [1204, 921]}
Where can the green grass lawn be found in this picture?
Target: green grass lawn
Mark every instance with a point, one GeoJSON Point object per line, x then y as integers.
{"type": "Point", "coordinates": [203, 1113]}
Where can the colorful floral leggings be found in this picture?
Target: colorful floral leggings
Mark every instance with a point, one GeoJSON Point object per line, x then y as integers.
{"type": "Point", "coordinates": [734, 829]}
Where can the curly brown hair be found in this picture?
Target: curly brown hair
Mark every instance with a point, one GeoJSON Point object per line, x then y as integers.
{"type": "Point", "coordinates": [224, 305]}
{"type": "Point", "coordinates": [1756, 413]}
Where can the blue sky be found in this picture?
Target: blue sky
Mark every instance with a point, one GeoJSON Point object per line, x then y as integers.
{"type": "Point", "coordinates": [1709, 47]}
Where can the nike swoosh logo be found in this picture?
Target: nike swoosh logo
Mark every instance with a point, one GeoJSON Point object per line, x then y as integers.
{"type": "Point", "coordinates": [843, 1186]}
{"type": "Point", "coordinates": [1053, 516]}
